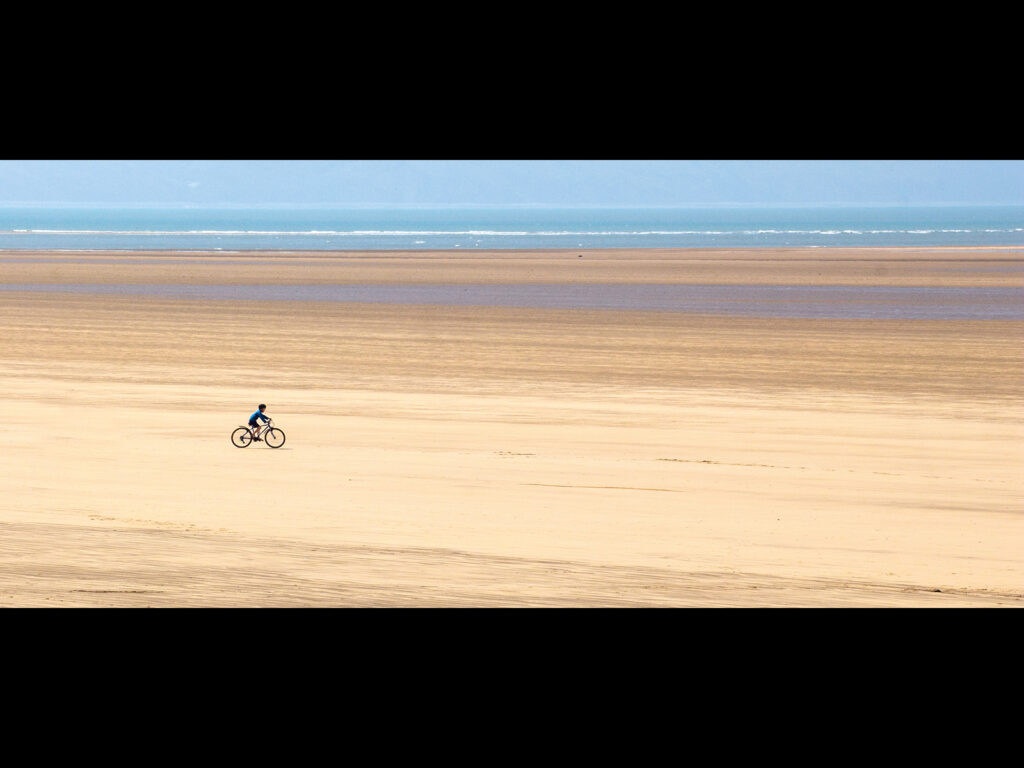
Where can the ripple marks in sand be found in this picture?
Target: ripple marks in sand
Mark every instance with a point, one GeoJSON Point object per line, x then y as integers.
{"type": "Point", "coordinates": [92, 566]}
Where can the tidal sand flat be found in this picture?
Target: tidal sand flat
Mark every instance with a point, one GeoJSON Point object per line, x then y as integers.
{"type": "Point", "coordinates": [667, 427]}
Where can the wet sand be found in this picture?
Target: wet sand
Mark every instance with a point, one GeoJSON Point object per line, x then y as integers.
{"type": "Point", "coordinates": [507, 456]}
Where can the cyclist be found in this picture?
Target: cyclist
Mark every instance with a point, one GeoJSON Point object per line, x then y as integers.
{"type": "Point", "coordinates": [255, 425]}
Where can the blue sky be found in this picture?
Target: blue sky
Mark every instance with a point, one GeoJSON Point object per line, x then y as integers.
{"type": "Point", "coordinates": [513, 182]}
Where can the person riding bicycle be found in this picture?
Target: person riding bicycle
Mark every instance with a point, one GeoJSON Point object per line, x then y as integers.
{"type": "Point", "coordinates": [254, 425]}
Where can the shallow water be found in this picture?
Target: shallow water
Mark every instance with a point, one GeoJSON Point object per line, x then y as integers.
{"type": "Point", "coordinates": [503, 227]}
{"type": "Point", "coordinates": [824, 302]}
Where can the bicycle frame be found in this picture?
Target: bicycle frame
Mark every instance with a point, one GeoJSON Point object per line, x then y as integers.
{"type": "Point", "coordinates": [278, 436]}
{"type": "Point", "coordinates": [264, 428]}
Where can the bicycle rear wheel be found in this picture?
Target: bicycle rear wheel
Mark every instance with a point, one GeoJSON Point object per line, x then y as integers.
{"type": "Point", "coordinates": [241, 437]}
{"type": "Point", "coordinates": [274, 437]}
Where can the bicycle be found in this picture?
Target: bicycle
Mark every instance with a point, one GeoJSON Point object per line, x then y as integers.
{"type": "Point", "coordinates": [272, 436]}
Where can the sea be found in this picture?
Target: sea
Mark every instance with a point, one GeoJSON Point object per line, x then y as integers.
{"type": "Point", "coordinates": [476, 228]}
{"type": "Point", "coordinates": [291, 228]}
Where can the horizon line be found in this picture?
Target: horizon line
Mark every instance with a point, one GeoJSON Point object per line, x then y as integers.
{"type": "Point", "coordinates": [398, 205]}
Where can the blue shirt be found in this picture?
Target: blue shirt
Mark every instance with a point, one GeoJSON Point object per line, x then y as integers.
{"type": "Point", "coordinates": [258, 415]}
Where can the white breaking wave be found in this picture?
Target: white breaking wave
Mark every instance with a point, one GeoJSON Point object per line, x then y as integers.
{"type": "Point", "coordinates": [487, 232]}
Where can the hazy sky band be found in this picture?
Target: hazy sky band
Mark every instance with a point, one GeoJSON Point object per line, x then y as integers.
{"type": "Point", "coordinates": [513, 182]}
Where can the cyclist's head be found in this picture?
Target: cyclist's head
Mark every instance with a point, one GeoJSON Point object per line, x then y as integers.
{"type": "Point", "coordinates": [263, 407]}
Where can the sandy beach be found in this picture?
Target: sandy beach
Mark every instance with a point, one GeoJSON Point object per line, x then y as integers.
{"type": "Point", "coordinates": [460, 455]}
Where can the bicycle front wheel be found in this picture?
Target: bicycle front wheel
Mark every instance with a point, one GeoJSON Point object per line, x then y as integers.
{"type": "Point", "coordinates": [274, 437]}
{"type": "Point", "coordinates": [241, 437]}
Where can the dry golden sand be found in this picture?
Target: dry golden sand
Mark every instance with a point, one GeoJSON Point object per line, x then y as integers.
{"type": "Point", "coordinates": [472, 456]}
